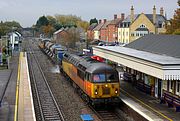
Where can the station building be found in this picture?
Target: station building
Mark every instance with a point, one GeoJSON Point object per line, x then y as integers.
{"type": "Point", "coordinates": [153, 61]}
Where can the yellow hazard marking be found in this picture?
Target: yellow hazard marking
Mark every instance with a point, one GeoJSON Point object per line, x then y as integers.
{"type": "Point", "coordinates": [17, 88]}
{"type": "Point", "coordinates": [147, 105]}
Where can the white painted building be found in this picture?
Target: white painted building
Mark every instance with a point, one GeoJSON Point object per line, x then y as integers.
{"type": "Point", "coordinates": [123, 35]}
{"type": "Point", "coordinates": [124, 30]}
{"type": "Point", "coordinates": [96, 31]}
{"type": "Point", "coordinates": [15, 38]}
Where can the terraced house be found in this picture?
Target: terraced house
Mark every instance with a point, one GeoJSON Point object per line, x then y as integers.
{"type": "Point", "coordinates": [97, 29]}
{"type": "Point", "coordinates": [90, 32]}
{"type": "Point", "coordinates": [104, 31]}
{"type": "Point", "coordinates": [107, 30]}
{"type": "Point", "coordinates": [112, 27]}
{"type": "Point", "coordinates": [138, 25]}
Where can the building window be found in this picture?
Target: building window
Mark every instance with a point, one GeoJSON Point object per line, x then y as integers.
{"type": "Point", "coordinates": [142, 26]}
{"type": "Point", "coordinates": [132, 34]}
{"type": "Point", "coordinates": [160, 25]}
{"type": "Point", "coordinates": [126, 33]}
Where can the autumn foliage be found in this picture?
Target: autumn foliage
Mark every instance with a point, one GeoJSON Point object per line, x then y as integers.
{"type": "Point", "coordinates": [174, 27]}
{"type": "Point", "coordinates": [48, 24]}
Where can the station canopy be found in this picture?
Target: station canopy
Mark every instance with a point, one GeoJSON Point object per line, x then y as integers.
{"type": "Point", "coordinates": [147, 55]}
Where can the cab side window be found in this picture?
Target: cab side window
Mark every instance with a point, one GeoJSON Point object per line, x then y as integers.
{"type": "Point", "coordinates": [80, 74]}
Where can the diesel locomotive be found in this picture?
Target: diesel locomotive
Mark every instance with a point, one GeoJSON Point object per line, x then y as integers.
{"type": "Point", "coordinates": [96, 81]}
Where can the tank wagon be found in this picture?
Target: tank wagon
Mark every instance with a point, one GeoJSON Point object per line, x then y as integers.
{"type": "Point", "coordinates": [54, 51]}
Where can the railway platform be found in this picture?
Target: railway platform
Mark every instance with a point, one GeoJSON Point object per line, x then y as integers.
{"type": "Point", "coordinates": [8, 78]}
{"type": "Point", "coordinates": [24, 108]}
{"type": "Point", "coordinates": [145, 105]}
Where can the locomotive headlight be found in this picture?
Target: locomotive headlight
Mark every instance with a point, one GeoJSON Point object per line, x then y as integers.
{"type": "Point", "coordinates": [96, 92]}
{"type": "Point", "coordinates": [106, 85]}
{"type": "Point", "coordinates": [116, 91]}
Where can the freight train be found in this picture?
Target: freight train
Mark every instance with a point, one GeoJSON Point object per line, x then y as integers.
{"type": "Point", "coordinates": [97, 82]}
{"type": "Point", "coordinates": [54, 51]}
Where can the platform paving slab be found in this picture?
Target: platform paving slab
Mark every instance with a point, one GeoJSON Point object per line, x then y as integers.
{"type": "Point", "coordinates": [139, 97]}
{"type": "Point", "coordinates": [25, 104]}
{"type": "Point", "coordinates": [4, 77]}
{"type": "Point", "coordinates": [8, 102]}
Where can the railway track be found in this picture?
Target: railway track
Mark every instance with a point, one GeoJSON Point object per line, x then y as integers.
{"type": "Point", "coordinates": [106, 113]}
{"type": "Point", "coordinates": [46, 107]}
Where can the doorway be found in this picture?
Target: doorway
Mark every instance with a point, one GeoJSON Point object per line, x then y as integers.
{"type": "Point", "coordinates": [158, 88]}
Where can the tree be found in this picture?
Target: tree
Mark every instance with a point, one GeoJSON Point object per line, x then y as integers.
{"type": "Point", "coordinates": [83, 24]}
{"type": "Point", "coordinates": [57, 26]}
{"type": "Point", "coordinates": [49, 24]}
{"type": "Point", "coordinates": [93, 21]}
{"type": "Point", "coordinates": [48, 30]}
{"type": "Point", "coordinates": [8, 26]}
{"type": "Point", "coordinates": [42, 21]}
{"type": "Point", "coordinates": [174, 27]}
{"type": "Point", "coordinates": [52, 21]}
{"type": "Point", "coordinates": [71, 21]}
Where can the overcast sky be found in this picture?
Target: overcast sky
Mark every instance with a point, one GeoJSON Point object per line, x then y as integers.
{"type": "Point", "coordinates": [26, 12]}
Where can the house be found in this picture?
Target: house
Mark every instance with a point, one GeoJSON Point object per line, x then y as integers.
{"type": "Point", "coordinates": [60, 35]}
{"type": "Point", "coordinates": [90, 32]}
{"type": "Point", "coordinates": [138, 25]}
{"type": "Point", "coordinates": [153, 61]}
{"type": "Point", "coordinates": [96, 30]}
{"type": "Point", "coordinates": [104, 31]}
{"type": "Point", "coordinates": [112, 28]}
{"type": "Point", "coordinates": [124, 29]}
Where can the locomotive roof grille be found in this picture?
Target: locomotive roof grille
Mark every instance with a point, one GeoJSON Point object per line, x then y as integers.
{"type": "Point", "coordinates": [88, 64]}
{"type": "Point", "coordinates": [100, 68]}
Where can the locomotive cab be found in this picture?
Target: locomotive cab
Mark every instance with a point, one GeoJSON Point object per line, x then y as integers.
{"type": "Point", "coordinates": [105, 83]}
{"type": "Point", "coordinates": [97, 81]}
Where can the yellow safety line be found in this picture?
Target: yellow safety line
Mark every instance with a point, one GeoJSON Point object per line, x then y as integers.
{"type": "Point", "coordinates": [148, 106]}
{"type": "Point", "coordinates": [17, 89]}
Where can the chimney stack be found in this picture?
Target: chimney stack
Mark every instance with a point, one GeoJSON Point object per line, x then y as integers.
{"type": "Point", "coordinates": [122, 16]}
{"type": "Point", "coordinates": [132, 14]}
{"type": "Point", "coordinates": [99, 21]}
{"type": "Point", "coordinates": [154, 14]}
{"type": "Point", "coordinates": [104, 20]}
{"type": "Point", "coordinates": [115, 16]}
{"type": "Point", "coordinates": [161, 11]}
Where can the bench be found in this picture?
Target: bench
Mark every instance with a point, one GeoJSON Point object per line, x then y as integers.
{"type": "Point", "coordinates": [144, 87]}
{"type": "Point", "coordinates": [176, 103]}
{"type": "Point", "coordinates": [171, 100]}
